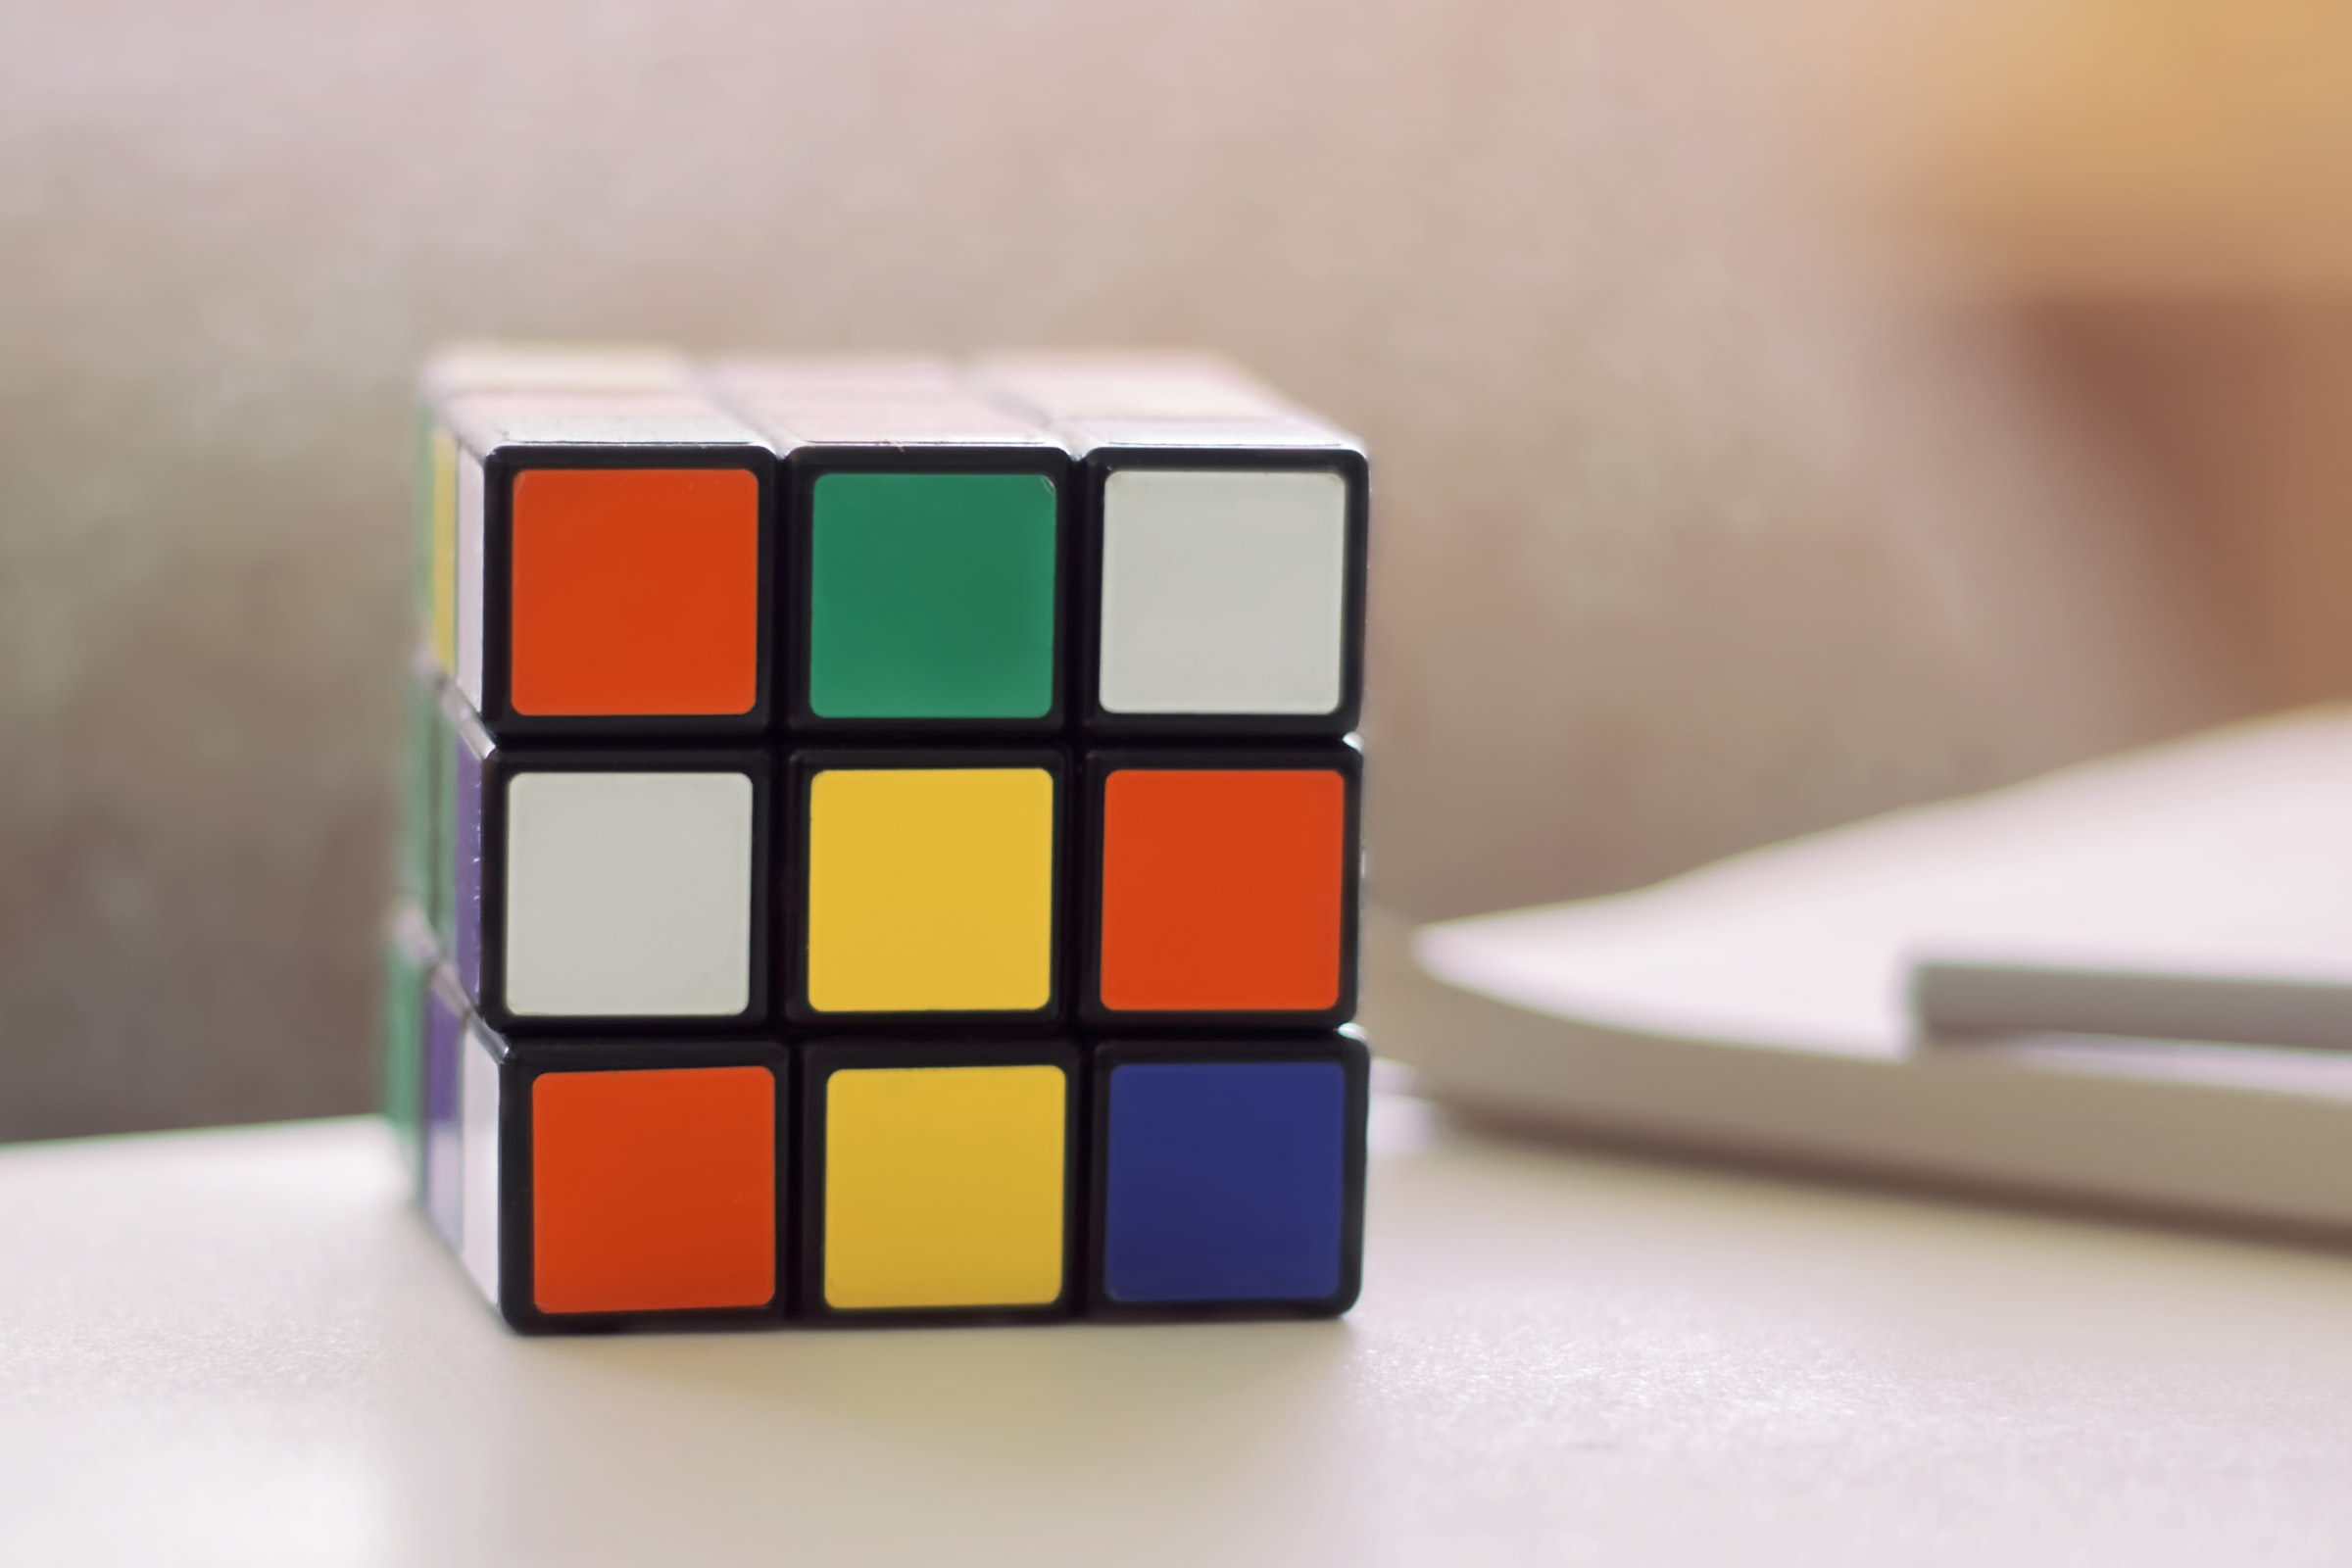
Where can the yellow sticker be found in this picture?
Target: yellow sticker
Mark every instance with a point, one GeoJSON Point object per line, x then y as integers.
{"type": "Point", "coordinates": [943, 1185]}
{"type": "Point", "coordinates": [930, 890]}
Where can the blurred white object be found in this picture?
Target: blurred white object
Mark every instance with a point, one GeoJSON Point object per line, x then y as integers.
{"type": "Point", "coordinates": [1761, 1005]}
{"type": "Point", "coordinates": [1970, 1001]}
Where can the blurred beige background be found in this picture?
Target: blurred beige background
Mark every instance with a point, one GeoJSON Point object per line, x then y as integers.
{"type": "Point", "coordinates": [1726, 488]}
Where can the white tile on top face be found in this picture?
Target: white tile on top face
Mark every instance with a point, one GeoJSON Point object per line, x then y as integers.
{"type": "Point", "coordinates": [1223, 590]}
{"type": "Point", "coordinates": [628, 893]}
{"type": "Point", "coordinates": [471, 544]}
{"type": "Point", "coordinates": [477, 1115]}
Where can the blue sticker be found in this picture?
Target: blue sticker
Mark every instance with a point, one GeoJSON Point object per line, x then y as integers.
{"type": "Point", "coordinates": [1227, 1180]}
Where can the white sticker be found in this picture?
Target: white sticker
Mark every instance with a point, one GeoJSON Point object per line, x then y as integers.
{"type": "Point", "coordinates": [628, 893]}
{"type": "Point", "coordinates": [477, 1229]}
{"type": "Point", "coordinates": [1223, 590]}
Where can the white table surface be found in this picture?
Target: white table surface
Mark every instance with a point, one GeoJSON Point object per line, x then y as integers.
{"type": "Point", "coordinates": [237, 1347]}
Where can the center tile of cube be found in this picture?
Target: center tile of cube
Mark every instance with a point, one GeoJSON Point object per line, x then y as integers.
{"type": "Point", "coordinates": [930, 890]}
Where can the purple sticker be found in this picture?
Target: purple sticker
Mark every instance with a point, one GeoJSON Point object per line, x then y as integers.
{"type": "Point", "coordinates": [468, 856]}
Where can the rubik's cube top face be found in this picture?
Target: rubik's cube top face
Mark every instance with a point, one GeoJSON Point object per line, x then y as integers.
{"type": "Point", "coordinates": [875, 782]}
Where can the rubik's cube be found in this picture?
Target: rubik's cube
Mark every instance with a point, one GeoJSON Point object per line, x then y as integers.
{"type": "Point", "coordinates": [882, 840]}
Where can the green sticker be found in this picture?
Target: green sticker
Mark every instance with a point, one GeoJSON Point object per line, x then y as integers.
{"type": "Point", "coordinates": [403, 1050]}
{"type": "Point", "coordinates": [931, 596]}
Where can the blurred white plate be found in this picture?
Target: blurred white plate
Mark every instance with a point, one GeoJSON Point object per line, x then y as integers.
{"type": "Point", "coordinates": [1763, 1005]}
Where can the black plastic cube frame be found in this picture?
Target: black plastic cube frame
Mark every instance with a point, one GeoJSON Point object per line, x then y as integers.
{"type": "Point", "coordinates": [1340, 756]}
{"type": "Point", "coordinates": [802, 467]}
{"type": "Point", "coordinates": [500, 468]}
{"type": "Point", "coordinates": [520, 1064]}
{"type": "Point", "coordinates": [820, 1060]}
{"type": "Point", "coordinates": [792, 905]}
{"type": "Point", "coordinates": [501, 763]}
{"type": "Point", "coordinates": [1094, 469]}
{"type": "Point", "coordinates": [1346, 1048]}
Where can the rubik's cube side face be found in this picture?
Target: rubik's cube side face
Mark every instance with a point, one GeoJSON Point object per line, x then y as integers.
{"type": "Point", "coordinates": [875, 857]}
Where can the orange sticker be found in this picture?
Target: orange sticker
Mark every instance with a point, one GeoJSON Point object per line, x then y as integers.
{"type": "Point", "coordinates": [653, 1190]}
{"type": "Point", "coordinates": [1222, 890]}
{"type": "Point", "coordinates": [636, 591]}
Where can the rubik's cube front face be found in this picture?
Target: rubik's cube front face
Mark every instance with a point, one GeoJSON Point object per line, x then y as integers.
{"type": "Point", "coordinates": [873, 854]}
